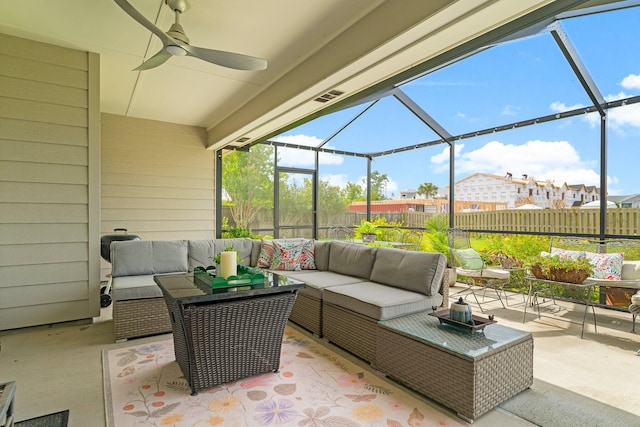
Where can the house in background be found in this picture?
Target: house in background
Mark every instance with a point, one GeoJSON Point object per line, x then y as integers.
{"type": "Point", "coordinates": [631, 201]}
{"type": "Point", "coordinates": [514, 192]}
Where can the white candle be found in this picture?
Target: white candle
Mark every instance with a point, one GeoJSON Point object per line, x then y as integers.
{"type": "Point", "coordinates": [228, 264]}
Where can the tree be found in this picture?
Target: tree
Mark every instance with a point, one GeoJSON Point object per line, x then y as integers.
{"type": "Point", "coordinates": [378, 184]}
{"type": "Point", "coordinates": [247, 178]}
{"type": "Point", "coordinates": [428, 189]}
{"type": "Point", "coordinates": [352, 192]}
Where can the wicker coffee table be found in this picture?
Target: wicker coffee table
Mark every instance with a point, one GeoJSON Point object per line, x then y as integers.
{"type": "Point", "coordinates": [222, 337]}
{"type": "Point", "coordinates": [469, 372]}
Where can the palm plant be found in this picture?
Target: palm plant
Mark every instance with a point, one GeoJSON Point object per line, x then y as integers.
{"type": "Point", "coordinates": [436, 235]}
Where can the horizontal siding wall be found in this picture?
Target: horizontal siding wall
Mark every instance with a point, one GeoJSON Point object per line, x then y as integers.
{"type": "Point", "coordinates": [49, 163]}
{"type": "Point", "coordinates": [157, 180]}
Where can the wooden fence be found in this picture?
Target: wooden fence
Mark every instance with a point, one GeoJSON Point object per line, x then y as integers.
{"type": "Point", "coordinates": [620, 221]}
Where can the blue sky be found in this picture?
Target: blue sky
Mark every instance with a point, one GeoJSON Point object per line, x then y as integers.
{"type": "Point", "coordinates": [512, 82]}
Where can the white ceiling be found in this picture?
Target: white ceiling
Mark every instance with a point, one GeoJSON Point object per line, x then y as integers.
{"type": "Point", "coordinates": [312, 47]}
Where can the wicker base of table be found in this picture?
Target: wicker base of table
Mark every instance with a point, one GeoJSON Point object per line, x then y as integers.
{"type": "Point", "coordinates": [350, 330]}
{"type": "Point", "coordinates": [469, 386]}
{"type": "Point", "coordinates": [307, 312]}
{"type": "Point", "coordinates": [226, 341]}
{"type": "Point", "coordinates": [140, 317]}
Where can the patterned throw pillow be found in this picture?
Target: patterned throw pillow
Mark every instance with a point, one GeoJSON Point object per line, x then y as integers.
{"type": "Point", "coordinates": [266, 254]}
{"type": "Point", "coordinates": [293, 256]}
{"type": "Point", "coordinates": [606, 266]}
{"type": "Point", "coordinates": [565, 253]}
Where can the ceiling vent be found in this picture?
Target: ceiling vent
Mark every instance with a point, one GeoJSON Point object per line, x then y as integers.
{"type": "Point", "coordinates": [326, 97]}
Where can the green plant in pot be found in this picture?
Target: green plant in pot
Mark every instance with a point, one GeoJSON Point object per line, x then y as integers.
{"type": "Point", "coordinates": [367, 231]}
{"type": "Point", "coordinates": [561, 269]}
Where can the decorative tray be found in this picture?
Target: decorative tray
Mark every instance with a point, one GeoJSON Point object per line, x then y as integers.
{"type": "Point", "coordinates": [248, 277]}
{"type": "Point", "coordinates": [479, 323]}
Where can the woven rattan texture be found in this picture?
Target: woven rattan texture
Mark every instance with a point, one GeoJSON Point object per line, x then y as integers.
{"type": "Point", "coordinates": [307, 312]}
{"type": "Point", "coordinates": [444, 289]}
{"type": "Point", "coordinates": [470, 386]}
{"type": "Point", "coordinates": [140, 317]}
{"type": "Point", "coordinates": [225, 341]}
{"type": "Point", "coordinates": [351, 331]}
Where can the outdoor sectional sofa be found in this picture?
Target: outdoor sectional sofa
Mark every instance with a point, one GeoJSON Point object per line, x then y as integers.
{"type": "Point", "coordinates": [350, 286]}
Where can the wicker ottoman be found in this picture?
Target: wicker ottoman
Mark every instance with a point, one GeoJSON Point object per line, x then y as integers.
{"type": "Point", "coordinates": [470, 373]}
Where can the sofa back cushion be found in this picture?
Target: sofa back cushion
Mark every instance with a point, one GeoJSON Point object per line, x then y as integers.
{"type": "Point", "coordinates": [138, 257]}
{"type": "Point", "coordinates": [351, 259]}
{"type": "Point", "coordinates": [414, 271]}
{"type": "Point", "coordinates": [322, 248]}
{"type": "Point", "coordinates": [201, 251]}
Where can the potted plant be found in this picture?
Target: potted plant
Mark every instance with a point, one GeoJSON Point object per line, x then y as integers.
{"type": "Point", "coordinates": [367, 230]}
{"type": "Point", "coordinates": [561, 269]}
{"type": "Point", "coordinates": [506, 261]}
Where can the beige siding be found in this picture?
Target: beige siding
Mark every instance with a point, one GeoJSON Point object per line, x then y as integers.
{"type": "Point", "coordinates": [156, 180]}
{"type": "Point", "coordinates": [49, 183]}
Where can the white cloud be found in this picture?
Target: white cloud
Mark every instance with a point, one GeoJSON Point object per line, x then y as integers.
{"type": "Point", "coordinates": [304, 158]}
{"type": "Point", "coordinates": [553, 160]}
{"type": "Point", "coordinates": [510, 110]}
{"type": "Point", "coordinates": [440, 161]}
{"type": "Point", "coordinates": [632, 81]}
{"type": "Point", "coordinates": [336, 180]}
{"type": "Point", "coordinates": [560, 107]}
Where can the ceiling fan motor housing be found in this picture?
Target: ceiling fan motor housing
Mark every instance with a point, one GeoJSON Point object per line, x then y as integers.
{"type": "Point", "coordinates": [177, 5]}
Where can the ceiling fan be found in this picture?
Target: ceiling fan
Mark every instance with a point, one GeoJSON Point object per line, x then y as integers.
{"type": "Point", "coordinates": [176, 43]}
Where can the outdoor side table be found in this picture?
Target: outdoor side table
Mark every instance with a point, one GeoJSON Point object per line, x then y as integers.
{"type": "Point", "coordinates": [222, 337]}
{"type": "Point", "coordinates": [469, 372]}
{"type": "Point", "coordinates": [541, 288]}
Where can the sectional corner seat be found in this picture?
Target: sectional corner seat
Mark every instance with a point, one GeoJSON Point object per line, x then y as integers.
{"type": "Point", "coordinates": [352, 287]}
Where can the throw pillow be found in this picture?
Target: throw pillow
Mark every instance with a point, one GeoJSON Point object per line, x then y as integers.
{"type": "Point", "coordinates": [565, 253]}
{"type": "Point", "coordinates": [468, 259]}
{"type": "Point", "coordinates": [294, 256]}
{"type": "Point", "coordinates": [606, 266]}
{"type": "Point", "coordinates": [266, 254]}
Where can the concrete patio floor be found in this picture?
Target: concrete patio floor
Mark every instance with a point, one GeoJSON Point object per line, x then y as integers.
{"type": "Point", "coordinates": [59, 367]}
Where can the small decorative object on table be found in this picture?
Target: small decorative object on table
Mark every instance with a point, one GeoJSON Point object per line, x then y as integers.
{"type": "Point", "coordinates": [460, 311]}
{"type": "Point", "coordinates": [476, 323]}
{"type": "Point", "coordinates": [245, 277]}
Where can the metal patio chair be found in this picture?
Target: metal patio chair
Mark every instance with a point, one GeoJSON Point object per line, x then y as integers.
{"type": "Point", "coordinates": [471, 270]}
{"type": "Point", "coordinates": [341, 232]}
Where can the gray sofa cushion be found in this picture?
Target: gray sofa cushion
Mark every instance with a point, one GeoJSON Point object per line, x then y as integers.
{"type": "Point", "coordinates": [201, 251]}
{"type": "Point", "coordinates": [378, 301]}
{"type": "Point", "coordinates": [322, 250]}
{"type": "Point", "coordinates": [137, 257]}
{"type": "Point", "coordinates": [134, 287]}
{"type": "Point", "coordinates": [351, 259]}
{"type": "Point", "coordinates": [414, 271]}
{"type": "Point", "coordinates": [317, 281]}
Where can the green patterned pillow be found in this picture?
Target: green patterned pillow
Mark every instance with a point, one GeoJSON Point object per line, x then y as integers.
{"type": "Point", "coordinates": [467, 259]}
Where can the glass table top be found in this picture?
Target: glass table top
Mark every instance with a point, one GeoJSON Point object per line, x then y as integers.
{"type": "Point", "coordinates": [472, 344]}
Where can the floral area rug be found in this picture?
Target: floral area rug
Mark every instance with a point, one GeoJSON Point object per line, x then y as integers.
{"type": "Point", "coordinates": [315, 387]}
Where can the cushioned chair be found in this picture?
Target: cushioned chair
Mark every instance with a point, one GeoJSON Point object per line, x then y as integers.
{"type": "Point", "coordinates": [471, 270]}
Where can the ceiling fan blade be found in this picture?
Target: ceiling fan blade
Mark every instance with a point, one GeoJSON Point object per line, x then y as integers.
{"type": "Point", "coordinates": [225, 59]}
{"type": "Point", "coordinates": [131, 11]}
{"type": "Point", "coordinates": [157, 59]}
